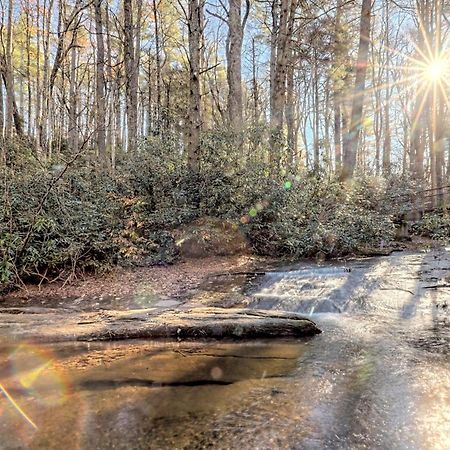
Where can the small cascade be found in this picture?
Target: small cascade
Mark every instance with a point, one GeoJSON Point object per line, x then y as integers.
{"type": "Point", "coordinates": [310, 290]}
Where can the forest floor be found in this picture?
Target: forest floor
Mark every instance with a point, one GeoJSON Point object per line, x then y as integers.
{"type": "Point", "coordinates": [122, 286]}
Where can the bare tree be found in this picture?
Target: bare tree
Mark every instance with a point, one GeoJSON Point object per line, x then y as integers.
{"type": "Point", "coordinates": [194, 122]}
{"type": "Point", "coordinates": [100, 84]}
{"type": "Point", "coordinates": [351, 139]}
{"type": "Point", "coordinates": [131, 77]}
{"type": "Point", "coordinates": [236, 27]}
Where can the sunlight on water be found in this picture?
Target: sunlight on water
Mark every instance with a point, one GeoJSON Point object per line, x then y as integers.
{"type": "Point", "coordinates": [377, 377]}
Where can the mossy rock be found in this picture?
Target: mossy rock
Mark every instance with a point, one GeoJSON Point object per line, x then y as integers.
{"type": "Point", "coordinates": [209, 236]}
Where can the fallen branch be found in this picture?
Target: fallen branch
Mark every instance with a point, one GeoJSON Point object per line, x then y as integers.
{"type": "Point", "coordinates": [227, 274]}
{"type": "Point", "coordinates": [437, 286]}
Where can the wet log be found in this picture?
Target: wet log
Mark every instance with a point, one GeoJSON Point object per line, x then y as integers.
{"type": "Point", "coordinates": [216, 323]}
{"type": "Point", "coordinates": [196, 323]}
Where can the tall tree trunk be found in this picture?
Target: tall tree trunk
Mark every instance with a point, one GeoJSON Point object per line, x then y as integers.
{"type": "Point", "coordinates": [290, 112]}
{"type": "Point", "coordinates": [417, 147]}
{"type": "Point", "coordinates": [2, 116]}
{"type": "Point", "coordinates": [157, 115]}
{"type": "Point", "coordinates": [150, 114]}
{"type": "Point", "coordinates": [109, 95]}
{"type": "Point", "coordinates": [195, 26]}
{"type": "Point", "coordinates": [273, 48]}
{"type": "Point", "coordinates": [438, 104]}
{"type": "Point", "coordinates": [46, 97]}
{"type": "Point", "coordinates": [337, 88]}
{"type": "Point", "coordinates": [351, 139]}
{"type": "Point", "coordinates": [387, 103]}
{"type": "Point", "coordinates": [316, 115]}
{"type": "Point", "coordinates": [28, 69]}
{"type": "Point", "coordinates": [100, 85]}
{"type": "Point", "coordinates": [38, 90]}
{"type": "Point", "coordinates": [73, 100]}
{"type": "Point", "coordinates": [8, 73]}
{"type": "Point", "coordinates": [377, 77]}
{"type": "Point", "coordinates": [236, 26]}
{"type": "Point", "coordinates": [130, 76]}
{"type": "Point", "coordinates": [278, 87]}
{"type": "Point", "coordinates": [73, 131]}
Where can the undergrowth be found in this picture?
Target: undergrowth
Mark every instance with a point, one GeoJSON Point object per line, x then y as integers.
{"type": "Point", "coordinates": [58, 221]}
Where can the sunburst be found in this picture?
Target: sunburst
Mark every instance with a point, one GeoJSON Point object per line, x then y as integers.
{"type": "Point", "coordinates": [437, 70]}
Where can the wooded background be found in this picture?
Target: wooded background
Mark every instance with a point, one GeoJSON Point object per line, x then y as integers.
{"type": "Point", "coordinates": [336, 85]}
{"type": "Point", "coordinates": [312, 128]}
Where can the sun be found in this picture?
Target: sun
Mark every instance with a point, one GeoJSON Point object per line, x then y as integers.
{"type": "Point", "coordinates": [437, 69]}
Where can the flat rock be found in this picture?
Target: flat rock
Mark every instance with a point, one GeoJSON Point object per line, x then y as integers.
{"type": "Point", "coordinates": [210, 236]}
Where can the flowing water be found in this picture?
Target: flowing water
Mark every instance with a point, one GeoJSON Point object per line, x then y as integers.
{"type": "Point", "coordinates": [378, 377]}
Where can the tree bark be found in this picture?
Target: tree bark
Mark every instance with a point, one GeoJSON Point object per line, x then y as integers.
{"type": "Point", "coordinates": [278, 87]}
{"type": "Point", "coordinates": [130, 76]}
{"type": "Point", "coordinates": [157, 116]}
{"type": "Point", "coordinates": [236, 26]}
{"type": "Point", "coordinates": [337, 88]}
{"type": "Point", "coordinates": [8, 73]}
{"type": "Point", "coordinates": [387, 103]}
{"type": "Point", "coordinates": [195, 26]}
{"type": "Point", "coordinates": [351, 139]}
{"type": "Point", "coordinates": [290, 112]}
{"type": "Point", "coordinates": [100, 85]}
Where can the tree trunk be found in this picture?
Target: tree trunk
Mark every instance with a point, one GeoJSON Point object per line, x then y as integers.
{"type": "Point", "coordinates": [316, 116]}
{"type": "Point", "coordinates": [73, 101]}
{"type": "Point", "coordinates": [351, 139]}
{"type": "Point", "coordinates": [234, 70]}
{"type": "Point", "coordinates": [278, 87]}
{"type": "Point", "coordinates": [100, 85]}
{"type": "Point", "coordinates": [157, 115]}
{"type": "Point", "coordinates": [290, 112]}
{"type": "Point", "coordinates": [337, 88]}
{"type": "Point", "coordinates": [130, 76]}
{"type": "Point", "coordinates": [109, 96]}
{"type": "Point", "coordinates": [28, 70]}
{"type": "Point", "coordinates": [195, 26]}
{"type": "Point", "coordinates": [8, 73]}
{"type": "Point", "coordinates": [387, 104]}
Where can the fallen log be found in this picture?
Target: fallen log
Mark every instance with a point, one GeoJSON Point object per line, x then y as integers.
{"type": "Point", "coordinates": [215, 323]}
{"type": "Point", "coordinates": [195, 323]}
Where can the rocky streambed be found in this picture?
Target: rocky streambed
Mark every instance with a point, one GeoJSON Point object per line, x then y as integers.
{"type": "Point", "coordinates": [378, 376]}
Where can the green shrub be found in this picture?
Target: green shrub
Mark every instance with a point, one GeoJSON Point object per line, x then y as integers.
{"type": "Point", "coordinates": [434, 226]}
{"type": "Point", "coordinates": [91, 220]}
{"type": "Point", "coordinates": [314, 215]}
{"type": "Point", "coordinates": [73, 229]}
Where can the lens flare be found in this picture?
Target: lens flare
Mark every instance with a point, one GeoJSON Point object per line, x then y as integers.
{"type": "Point", "coordinates": [17, 407]}
{"type": "Point", "coordinates": [34, 372]}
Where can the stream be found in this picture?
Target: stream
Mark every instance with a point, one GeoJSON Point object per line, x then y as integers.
{"type": "Point", "coordinates": [377, 377]}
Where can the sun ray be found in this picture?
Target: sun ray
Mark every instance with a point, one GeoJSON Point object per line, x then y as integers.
{"type": "Point", "coordinates": [391, 99]}
{"type": "Point", "coordinates": [424, 33]}
{"type": "Point", "coordinates": [17, 407]}
{"type": "Point", "coordinates": [374, 89]}
{"type": "Point", "coordinates": [444, 95]}
{"type": "Point", "coordinates": [420, 108]}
